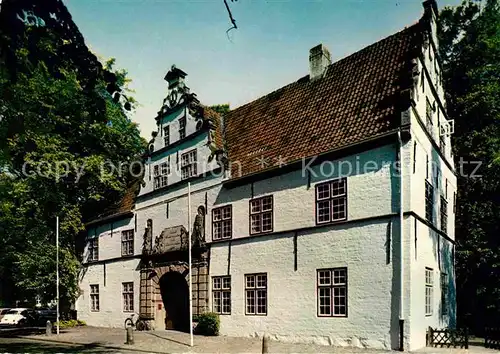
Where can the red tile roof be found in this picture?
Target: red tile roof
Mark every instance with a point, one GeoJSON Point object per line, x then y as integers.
{"type": "Point", "coordinates": [355, 100]}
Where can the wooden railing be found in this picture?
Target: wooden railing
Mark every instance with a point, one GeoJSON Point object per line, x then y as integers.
{"type": "Point", "coordinates": [448, 337]}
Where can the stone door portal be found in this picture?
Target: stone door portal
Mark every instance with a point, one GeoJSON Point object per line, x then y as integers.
{"type": "Point", "coordinates": [175, 297]}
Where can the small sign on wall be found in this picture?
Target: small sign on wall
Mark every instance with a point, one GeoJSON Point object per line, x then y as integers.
{"type": "Point", "coordinates": [159, 306]}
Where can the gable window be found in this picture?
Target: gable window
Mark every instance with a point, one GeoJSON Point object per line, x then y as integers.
{"type": "Point", "coordinates": [429, 291]}
{"type": "Point", "coordinates": [93, 250]}
{"type": "Point", "coordinates": [332, 292]}
{"type": "Point", "coordinates": [182, 128]}
{"type": "Point", "coordinates": [444, 215]}
{"type": "Point", "coordinates": [331, 201]}
{"type": "Point", "coordinates": [261, 215]}
{"type": "Point", "coordinates": [256, 294]}
{"type": "Point", "coordinates": [128, 296]}
{"type": "Point", "coordinates": [161, 173]}
{"type": "Point", "coordinates": [222, 221]}
{"type": "Point", "coordinates": [166, 135]}
{"type": "Point", "coordinates": [444, 294]}
{"type": "Point", "coordinates": [189, 164]}
{"type": "Point", "coordinates": [94, 297]}
{"type": "Point", "coordinates": [221, 295]}
{"type": "Point", "coordinates": [429, 202]}
{"type": "Point", "coordinates": [127, 242]}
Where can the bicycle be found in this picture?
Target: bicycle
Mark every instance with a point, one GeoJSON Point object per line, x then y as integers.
{"type": "Point", "coordinates": [139, 323]}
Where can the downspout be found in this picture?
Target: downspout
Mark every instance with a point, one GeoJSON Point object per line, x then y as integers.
{"type": "Point", "coordinates": [401, 248]}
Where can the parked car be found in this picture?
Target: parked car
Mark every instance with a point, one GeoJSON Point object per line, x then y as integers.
{"type": "Point", "coordinates": [3, 311]}
{"type": "Point", "coordinates": [18, 317]}
{"type": "Point", "coordinates": [45, 314]}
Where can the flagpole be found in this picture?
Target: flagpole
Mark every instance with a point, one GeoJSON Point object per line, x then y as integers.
{"type": "Point", "coordinates": [57, 271]}
{"type": "Point", "coordinates": [190, 269]}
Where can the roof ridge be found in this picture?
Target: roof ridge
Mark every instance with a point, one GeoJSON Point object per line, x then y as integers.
{"type": "Point", "coordinates": [362, 50]}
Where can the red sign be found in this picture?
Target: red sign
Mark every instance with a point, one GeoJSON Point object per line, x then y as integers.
{"type": "Point", "coordinates": [159, 306]}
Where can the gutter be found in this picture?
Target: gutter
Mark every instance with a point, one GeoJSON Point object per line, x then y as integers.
{"type": "Point", "coordinates": [401, 248]}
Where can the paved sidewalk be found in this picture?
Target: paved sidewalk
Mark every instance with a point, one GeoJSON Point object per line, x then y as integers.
{"type": "Point", "coordinates": [113, 339]}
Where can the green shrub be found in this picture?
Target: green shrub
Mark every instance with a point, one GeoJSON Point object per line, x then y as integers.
{"type": "Point", "coordinates": [69, 324]}
{"type": "Point", "coordinates": [208, 324]}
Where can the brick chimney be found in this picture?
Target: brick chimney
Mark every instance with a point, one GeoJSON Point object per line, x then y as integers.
{"type": "Point", "coordinates": [319, 59]}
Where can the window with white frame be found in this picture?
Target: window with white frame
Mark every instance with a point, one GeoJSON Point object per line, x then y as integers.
{"type": "Point", "coordinates": [429, 291]}
{"type": "Point", "coordinates": [444, 214]}
{"type": "Point", "coordinates": [332, 292]}
{"type": "Point", "coordinates": [331, 201]}
{"type": "Point", "coordinates": [444, 294]}
{"type": "Point", "coordinates": [161, 173]}
{"type": "Point", "coordinates": [221, 295]}
{"type": "Point", "coordinates": [94, 297]}
{"type": "Point", "coordinates": [189, 164]}
{"type": "Point", "coordinates": [256, 294]}
{"type": "Point", "coordinates": [127, 242]}
{"type": "Point", "coordinates": [166, 135]}
{"type": "Point", "coordinates": [93, 249]}
{"type": "Point", "coordinates": [182, 128]}
{"type": "Point", "coordinates": [128, 296]}
{"type": "Point", "coordinates": [222, 220]}
{"type": "Point", "coordinates": [261, 215]}
{"type": "Point", "coordinates": [429, 202]}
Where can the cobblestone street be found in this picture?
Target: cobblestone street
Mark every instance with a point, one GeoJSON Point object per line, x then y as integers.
{"type": "Point", "coordinates": [98, 340]}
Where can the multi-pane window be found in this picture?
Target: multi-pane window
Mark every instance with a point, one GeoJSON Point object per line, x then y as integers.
{"type": "Point", "coordinates": [429, 202]}
{"type": "Point", "coordinates": [182, 128]}
{"type": "Point", "coordinates": [222, 223]}
{"type": "Point", "coordinates": [332, 292]}
{"type": "Point", "coordinates": [444, 214]}
{"type": "Point", "coordinates": [127, 242]}
{"type": "Point", "coordinates": [221, 294]}
{"type": "Point", "coordinates": [166, 135]}
{"type": "Point", "coordinates": [429, 291]}
{"type": "Point", "coordinates": [428, 113]}
{"type": "Point", "coordinates": [161, 173]}
{"type": "Point", "coordinates": [93, 249]}
{"type": "Point", "coordinates": [444, 294]}
{"type": "Point", "coordinates": [128, 297]}
{"type": "Point", "coordinates": [442, 144]}
{"type": "Point", "coordinates": [331, 201]}
{"type": "Point", "coordinates": [261, 215]}
{"type": "Point", "coordinates": [189, 164]}
{"type": "Point", "coordinates": [256, 294]}
{"type": "Point", "coordinates": [94, 297]}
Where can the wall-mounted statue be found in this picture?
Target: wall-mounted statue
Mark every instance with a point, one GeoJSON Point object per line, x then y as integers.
{"type": "Point", "coordinates": [147, 244]}
{"type": "Point", "coordinates": [199, 227]}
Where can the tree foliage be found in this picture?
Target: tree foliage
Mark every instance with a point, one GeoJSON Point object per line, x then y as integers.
{"type": "Point", "coordinates": [470, 47]}
{"type": "Point", "coordinates": [58, 129]}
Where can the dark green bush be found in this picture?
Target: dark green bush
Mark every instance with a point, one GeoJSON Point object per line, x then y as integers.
{"type": "Point", "coordinates": [208, 324]}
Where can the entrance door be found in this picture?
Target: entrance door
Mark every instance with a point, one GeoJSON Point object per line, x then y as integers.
{"type": "Point", "coordinates": [159, 312]}
{"type": "Point", "coordinates": [175, 295]}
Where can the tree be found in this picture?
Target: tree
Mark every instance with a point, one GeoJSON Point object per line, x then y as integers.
{"type": "Point", "coordinates": [58, 132]}
{"type": "Point", "coordinates": [470, 48]}
{"type": "Point", "coordinates": [222, 109]}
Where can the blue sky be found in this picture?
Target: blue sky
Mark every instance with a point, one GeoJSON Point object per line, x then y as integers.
{"type": "Point", "coordinates": [269, 49]}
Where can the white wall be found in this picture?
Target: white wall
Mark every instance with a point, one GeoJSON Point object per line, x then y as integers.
{"type": "Point", "coordinates": [110, 277]}
{"type": "Point", "coordinates": [292, 297]}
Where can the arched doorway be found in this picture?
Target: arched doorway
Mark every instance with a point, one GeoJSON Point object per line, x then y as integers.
{"type": "Point", "coordinates": [175, 296]}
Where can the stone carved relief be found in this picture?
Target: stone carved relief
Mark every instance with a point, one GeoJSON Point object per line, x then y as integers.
{"type": "Point", "coordinates": [171, 239]}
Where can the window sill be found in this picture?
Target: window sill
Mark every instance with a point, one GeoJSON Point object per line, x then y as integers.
{"type": "Point", "coordinates": [340, 221]}
{"type": "Point", "coordinates": [222, 239]}
{"type": "Point", "coordinates": [332, 316]}
{"type": "Point", "coordinates": [255, 314]}
{"type": "Point", "coordinates": [261, 233]}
